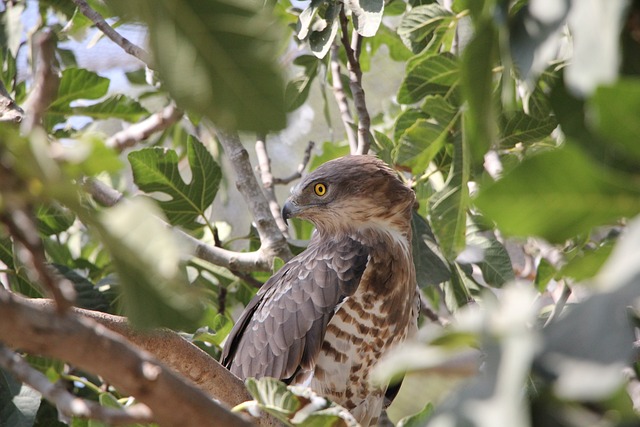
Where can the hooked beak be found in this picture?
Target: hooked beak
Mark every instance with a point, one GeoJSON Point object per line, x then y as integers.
{"type": "Point", "coordinates": [289, 210]}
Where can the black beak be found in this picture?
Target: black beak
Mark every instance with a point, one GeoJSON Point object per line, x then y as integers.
{"type": "Point", "coordinates": [289, 210]}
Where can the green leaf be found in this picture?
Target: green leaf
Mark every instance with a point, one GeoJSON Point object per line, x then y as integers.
{"type": "Point", "coordinates": [429, 75]}
{"type": "Point", "coordinates": [306, 18]}
{"type": "Point", "coordinates": [614, 111]}
{"type": "Point", "coordinates": [19, 403]}
{"type": "Point", "coordinates": [586, 264]}
{"type": "Point", "coordinates": [87, 294]}
{"type": "Point", "coordinates": [496, 264]}
{"type": "Point", "coordinates": [419, 144]}
{"type": "Point", "coordinates": [419, 24]}
{"type": "Point", "coordinates": [217, 58]}
{"type": "Point", "coordinates": [297, 90]}
{"type": "Point", "coordinates": [18, 280]}
{"type": "Point", "coordinates": [519, 127]}
{"type": "Point", "coordinates": [291, 404]}
{"type": "Point", "coordinates": [417, 420]}
{"type": "Point", "coordinates": [78, 83]}
{"type": "Point", "coordinates": [405, 120]}
{"type": "Point", "coordinates": [430, 268]}
{"type": "Point", "coordinates": [544, 274]}
{"type": "Point", "coordinates": [476, 76]}
{"type": "Point", "coordinates": [115, 107]}
{"type": "Point", "coordinates": [147, 258]}
{"type": "Point", "coordinates": [320, 41]}
{"type": "Point", "coordinates": [439, 109]}
{"type": "Point", "coordinates": [53, 219]}
{"type": "Point", "coordinates": [448, 207]}
{"type": "Point", "coordinates": [367, 15]}
{"type": "Point", "coordinates": [156, 170]}
{"type": "Point", "coordinates": [385, 36]}
{"type": "Point", "coordinates": [557, 195]}
{"type": "Point", "coordinates": [88, 155]}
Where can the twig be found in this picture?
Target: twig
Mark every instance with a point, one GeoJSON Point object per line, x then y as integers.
{"type": "Point", "coordinates": [352, 50]}
{"type": "Point", "coordinates": [560, 304]}
{"type": "Point", "coordinates": [273, 243]}
{"type": "Point", "coordinates": [30, 252]}
{"type": "Point", "coordinates": [264, 166]}
{"type": "Point", "coordinates": [117, 38]}
{"type": "Point", "coordinates": [66, 403]}
{"type": "Point", "coordinates": [341, 100]}
{"type": "Point", "coordinates": [10, 112]}
{"type": "Point", "coordinates": [301, 167]}
{"type": "Point", "coordinates": [45, 83]}
{"type": "Point", "coordinates": [233, 261]}
{"type": "Point", "coordinates": [140, 131]}
{"type": "Point", "coordinates": [94, 348]}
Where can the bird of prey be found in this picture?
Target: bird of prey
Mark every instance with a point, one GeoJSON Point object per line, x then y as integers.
{"type": "Point", "coordinates": [327, 316]}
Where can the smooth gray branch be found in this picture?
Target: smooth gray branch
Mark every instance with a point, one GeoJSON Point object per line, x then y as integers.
{"type": "Point", "coordinates": [273, 243]}
{"type": "Point", "coordinates": [142, 130]}
{"type": "Point", "coordinates": [301, 167]}
{"type": "Point", "coordinates": [66, 403]}
{"type": "Point", "coordinates": [131, 48]}
{"type": "Point", "coordinates": [242, 262]}
{"type": "Point", "coordinates": [264, 167]}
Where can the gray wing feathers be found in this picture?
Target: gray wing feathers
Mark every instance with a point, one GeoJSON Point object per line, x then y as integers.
{"type": "Point", "coordinates": [283, 327]}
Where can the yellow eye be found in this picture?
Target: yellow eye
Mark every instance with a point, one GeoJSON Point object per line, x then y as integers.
{"type": "Point", "coordinates": [320, 189]}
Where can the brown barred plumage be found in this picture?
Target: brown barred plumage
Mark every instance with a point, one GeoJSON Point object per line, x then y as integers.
{"type": "Point", "coordinates": [328, 315]}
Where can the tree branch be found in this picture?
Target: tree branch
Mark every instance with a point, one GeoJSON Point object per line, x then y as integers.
{"type": "Point", "coordinates": [264, 166]}
{"type": "Point", "coordinates": [46, 81]}
{"type": "Point", "coordinates": [30, 251]}
{"type": "Point", "coordinates": [117, 38]}
{"type": "Point", "coordinates": [301, 167]}
{"type": "Point", "coordinates": [342, 101]}
{"type": "Point", "coordinates": [273, 243]}
{"type": "Point", "coordinates": [142, 130]}
{"type": "Point", "coordinates": [37, 329]}
{"type": "Point", "coordinates": [66, 403]}
{"type": "Point", "coordinates": [233, 261]}
{"type": "Point", "coordinates": [352, 50]}
{"type": "Point", "coordinates": [10, 112]}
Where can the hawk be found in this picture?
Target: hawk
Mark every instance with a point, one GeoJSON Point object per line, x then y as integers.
{"type": "Point", "coordinates": [327, 316]}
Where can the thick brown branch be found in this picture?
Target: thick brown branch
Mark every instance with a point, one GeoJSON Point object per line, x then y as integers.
{"type": "Point", "coordinates": [301, 167]}
{"type": "Point", "coordinates": [352, 49]}
{"type": "Point", "coordinates": [117, 38]}
{"type": "Point", "coordinates": [264, 166]}
{"type": "Point", "coordinates": [66, 403]}
{"type": "Point", "coordinates": [341, 100]}
{"type": "Point", "coordinates": [273, 243]}
{"type": "Point", "coordinates": [140, 131]}
{"type": "Point", "coordinates": [92, 347]}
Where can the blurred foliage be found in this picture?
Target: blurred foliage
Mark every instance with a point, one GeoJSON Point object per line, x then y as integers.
{"type": "Point", "coordinates": [510, 122]}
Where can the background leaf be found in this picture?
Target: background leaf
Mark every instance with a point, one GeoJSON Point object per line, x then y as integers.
{"type": "Point", "coordinates": [557, 195]}
{"type": "Point", "coordinates": [366, 14]}
{"type": "Point", "coordinates": [228, 50]}
{"type": "Point", "coordinates": [156, 170]}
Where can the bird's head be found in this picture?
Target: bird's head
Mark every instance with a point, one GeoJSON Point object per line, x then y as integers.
{"type": "Point", "coordinates": [349, 193]}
